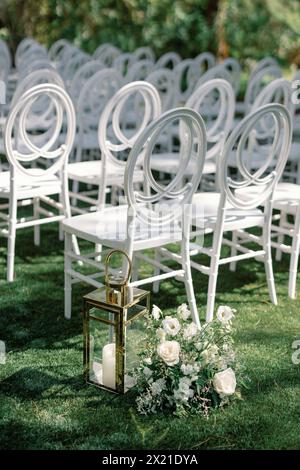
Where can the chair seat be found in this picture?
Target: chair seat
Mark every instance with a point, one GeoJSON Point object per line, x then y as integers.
{"type": "Point", "coordinates": [286, 196]}
{"type": "Point", "coordinates": [90, 173]}
{"type": "Point", "coordinates": [109, 228]}
{"type": "Point", "coordinates": [168, 163]}
{"type": "Point", "coordinates": [28, 187]}
{"type": "Point", "coordinates": [205, 211]}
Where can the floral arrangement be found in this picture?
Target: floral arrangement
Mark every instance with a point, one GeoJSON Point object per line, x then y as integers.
{"type": "Point", "coordinates": [185, 369]}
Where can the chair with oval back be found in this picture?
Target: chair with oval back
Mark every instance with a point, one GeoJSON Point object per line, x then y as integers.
{"type": "Point", "coordinates": [27, 180]}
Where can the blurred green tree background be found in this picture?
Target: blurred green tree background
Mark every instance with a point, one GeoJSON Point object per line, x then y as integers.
{"type": "Point", "coordinates": [245, 29]}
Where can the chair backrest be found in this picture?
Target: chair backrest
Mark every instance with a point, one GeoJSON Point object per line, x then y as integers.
{"type": "Point", "coordinates": [114, 139]}
{"type": "Point", "coordinates": [35, 52]}
{"type": "Point", "coordinates": [24, 46]}
{"type": "Point", "coordinates": [234, 69]}
{"type": "Point", "coordinates": [55, 152]}
{"type": "Point", "coordinates": [93, 98]}
{"type": "Point", "coordinates": [139, 70]}
{"type": "Point", "coordinates": [56, 51]}
{"type": "Point", "coordinates": [265, 177]}
{"type": "Point", "coordinates": [159, 205]}
{"type": "Point", "coordinates": [145, 53]}
{"type": "Point", "coordinates": [84, 73]}
{"type": "Point", "coordinates": [258, 82]}
{"type": "Point", "coordinates": [164, 82]}
{"type": "Point", "coordinates": [205, 60]}
{"type": "Point", "coordinates": [38, 64]}
{"type": "Point", "coordinates": [215, 102]}
{"type": "Point", "coordinates": [4, 50]}
{"type": "Point", "coordinates": [262, 64]}
{"type": "Point", "coordinates": [168, 60]}
{"type": "Point", "coordinates": [123, 62]}
{"type": "Point", "coordinates": [218, 71]}
{"type": "Point", "coordinates": [278, 91]}
{"type": "Point", "coordinates": [37, 78]}
{"type": "Point", "coordinates": [106, 53]}
{"type": "Point", "coordinates": [74, 64]}
{"type": "Point", "coordinates": [186, 74]}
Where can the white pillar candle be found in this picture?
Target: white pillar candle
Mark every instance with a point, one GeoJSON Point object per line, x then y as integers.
{"type": "Point", "coordinates": [109, 365]}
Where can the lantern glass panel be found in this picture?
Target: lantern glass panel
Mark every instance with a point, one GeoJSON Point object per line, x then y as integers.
{"type": "Point", "coordinates": [102, 349]}
{"type": "Point", "coordinates": [135, 343]}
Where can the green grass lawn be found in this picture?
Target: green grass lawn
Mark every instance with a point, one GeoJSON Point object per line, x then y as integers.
{"type": "Point", "coordinates": [45, 404]}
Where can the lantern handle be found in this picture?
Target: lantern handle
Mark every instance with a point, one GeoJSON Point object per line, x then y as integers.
{"type": "Point", "coordinates": [127, 277]}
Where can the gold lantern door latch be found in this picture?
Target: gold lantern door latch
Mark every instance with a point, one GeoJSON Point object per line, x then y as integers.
{"type": "Point", "coordinates": [116, 284]}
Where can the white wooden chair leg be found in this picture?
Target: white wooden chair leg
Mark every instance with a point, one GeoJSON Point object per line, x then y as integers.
{"type": "Point", "coordinates": [68, 279]}
{"type": "Point", "coordinates": [37, 228]}
{"type": "Point", "coordinates": [188, 281]}
{"type": "Point", "coordinates": [75, 188]}
{"type": "Point", "coordinates": [11, 239]}
{"type": "Point", "coordinates": [98, 249]}
{"type": "Point", "coordinates": [156, 272]}
{"type": "Point", "coordinates": [135, 269]}
{"type": "Point", "coordinates": [294, 257]}
{"type": "Point", "coordinates": [280, 237]}
{"type": "Point", "coordinates": [269, 266]}
{"type": "Point", "coordinates": [232, 265]}
{"type": "Point", "coordinates": [213, 272]}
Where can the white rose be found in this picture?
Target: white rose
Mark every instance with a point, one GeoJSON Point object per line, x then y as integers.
{"type": "Point", "coordinates": [156, 312]}
{"type": "Point", "coordinates": [169, 352]}
{"type": "Point", "coordinates": [148, 361]}
{"type": "Point", "coordinates": [183, 312]}
{"type": "Point", "coordinates": [161, 335]}
{"type": "Point", "coordinates": [225, 314]}
{"type": "Point", "coordinates": [190, 331]}
{"type": "Point", "coordinates": [171, 326]}
{"type": "Point", "coordinates": [225, 382]}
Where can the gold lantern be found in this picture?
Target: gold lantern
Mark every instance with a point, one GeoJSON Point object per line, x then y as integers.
{"type": "Point", "coordinates": [113, 330]}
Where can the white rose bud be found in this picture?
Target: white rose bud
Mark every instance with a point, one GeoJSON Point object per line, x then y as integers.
{"type": "Point", "coordinates": [225, 382]}
{"type": "Point", "coordinates": [190, 331]}
{"type": "Point", "coordinates": [156, 312]}
{"type": "Point", "coordinates": [160, 334]}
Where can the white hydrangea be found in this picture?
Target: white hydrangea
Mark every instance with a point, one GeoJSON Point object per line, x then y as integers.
{"type": "Point", "coordinates": [190, 331]}
{"type": "Point", "coordinates": [156, 312]}
{"type": "Point", "coordinates": [171, 326]}
{"type": "Point", "coordinates": [147, 372]}
{"type": "Point", "coordinates": [187, 369]}
{"type": "Point", "coordinates": [158, 386]}
{"type": "Point", "coordinates": [210, 355]}
{"type": "Point", "coordinates": [184, 392]}
{"type": "Point", "coordinates": [183, 312]}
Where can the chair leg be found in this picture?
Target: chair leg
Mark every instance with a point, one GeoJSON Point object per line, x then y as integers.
{"type": "Point", "coordinates": [68, 279]}
{"type": "Point", "coordinates": [188, 281]}
{"type": "Point", "coordinates": [156, 272]}
{"type": "Point", "coordinates": [37, 228]}
{"type": "Point", "coordinates": [75, 188]}
{"type": "Point", "coordinates": [213, 274]}
{"type": "Point", "coordinates": [269, 266]}
{"type": "Point", "coordinates": [280, 238]}
{"type": "Point", "coordinates": [294, 257]}
{"type": "Point", "coordinates": [135, 269]}
{"type": "Point", "coordinates": [232, 265]}
{"type": "Point", "coordinates": [11, 239]}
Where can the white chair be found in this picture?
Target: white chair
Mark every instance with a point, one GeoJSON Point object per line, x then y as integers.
{"type": "Point", "coordinates": [115, 140]}
{"type": "Point", "coordinates": [57, 50]}
{"type": "Point", "coordinates": [264, 63]}
{"type": "Point", "coordinates": [139, 70]}
{"type": "Point", "coordinates": [106, 53]}
{"type": "Point", "coordinates": [234, 69]}
{"type": "Point", "coordinates": [73, 65]}
{"type": "Point", "coordinates": [81, 76]}
{"type": "Point", "coordinates": [228, 211]}
{"type": "Point", "coordinates": [123, 62]}
{"type": "Point", "coordinates": [147, 220]}
{"type": "Point", "coordinates": [93, 97]}
{"type": "Point", "coordinates": [145, 53]}
{"type": "Point", "coordinates": [186, 74]}
{"type": "Point", "coordinates": [164, 82]}
{"type": "Point", "coordinates": [214, 100]}
{"type": "Point", "coordinates": [27, 181]}
{"type": "Point", "coordinates": [168, 60]}
{"type": "Point", "coordinates": [256, 83]}
{"type": "Point", "coordinates": [205, 60]}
